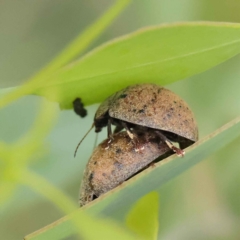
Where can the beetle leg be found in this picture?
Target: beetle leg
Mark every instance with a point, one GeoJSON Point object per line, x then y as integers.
{"type": "Point", "coordinates": [138, 147]}
{"type": "Point", "coordinates": [129, 132]}
{"type": "Point", "coordinates": [109, 130]}
{"type": "Point", "coordinates": [178, 151]}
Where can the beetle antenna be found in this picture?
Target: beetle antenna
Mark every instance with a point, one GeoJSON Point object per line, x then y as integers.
{"type": "Point", "coordinates": [83, 139]}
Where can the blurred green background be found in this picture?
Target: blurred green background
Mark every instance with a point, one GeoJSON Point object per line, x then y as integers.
{"type": "Point", "coordinates": [202, 203]}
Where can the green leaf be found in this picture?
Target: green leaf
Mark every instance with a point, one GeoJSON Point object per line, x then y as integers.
{"type": "Point", "coordinates": [118, 201]}
{"type": "Point", "coordinates": [76, 47]}
{"type": "Point", "coordinates": [143, 217]}
{"type": "Point", "coordinates": [161, 54]}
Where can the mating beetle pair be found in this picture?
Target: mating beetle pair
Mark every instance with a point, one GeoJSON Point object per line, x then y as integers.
{"type": "Point", "coordinates": [144, 111]}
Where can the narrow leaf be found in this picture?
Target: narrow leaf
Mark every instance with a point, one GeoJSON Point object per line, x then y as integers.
{"type": "Point", "coordinates": [161, 54]}
{"type": "Point", "coordinates": [90, 229]}
{"type": "Point", "coordinates": [143, 217]}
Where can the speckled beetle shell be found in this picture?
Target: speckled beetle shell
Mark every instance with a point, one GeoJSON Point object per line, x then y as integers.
{"type": "Point", "coordinates": [149, 105]}
{"type": "Point", "coordinates": [110, 165]}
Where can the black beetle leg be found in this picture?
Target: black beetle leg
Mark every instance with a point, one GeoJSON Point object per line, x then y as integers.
{"type": "Point", "coordinates": [178, 151]}
{"type": "Point", "coordinates": [109, 130]}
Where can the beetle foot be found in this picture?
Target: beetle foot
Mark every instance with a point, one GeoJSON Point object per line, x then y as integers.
{"type": "Point", "coordinates": [108, 142]}
{"type": "Point", "coordinates": [178, 151]}
{"type": "Point", "coordinates": [138, 146]}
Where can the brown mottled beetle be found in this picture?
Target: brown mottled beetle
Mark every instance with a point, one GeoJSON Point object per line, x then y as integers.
{"type": "Point", "coordinates": [143, 106]}
{"type": "Point", "coordinates": [112, 164]}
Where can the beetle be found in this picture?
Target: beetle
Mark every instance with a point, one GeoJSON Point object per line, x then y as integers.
{"type": "Point", "coordinates": [143, 106]}
{"type": "Point", "coordinates": [112, 164]}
